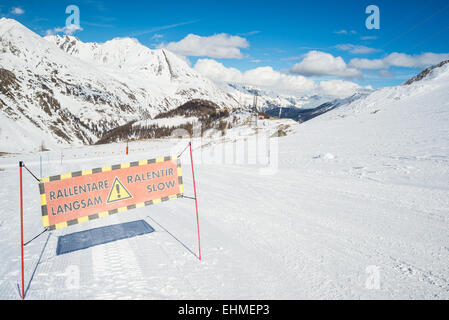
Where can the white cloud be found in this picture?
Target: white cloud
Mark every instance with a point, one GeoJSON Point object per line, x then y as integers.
{"type": "Point", "coordinates": [339, 88]}
{"type": "Point", "coordinates": [216, 71]}
{"type": "Point", "coordinates": [267, 77]}
{"type": "Point", "coordinates": [368, 38]}
{"type": "Point", "coordinates": [318, 63]}
{"type": "Point", "coordinates": [367, 63]}
{"type": "Point", "coordinates": [71, 29]}
{"type": "Point", "coordinates": [292, 58]}
{"type": "Point", "coordinates": [386, 74]}
{"type": "Point", "coordinates": [159, 28]}
{"type": "Point", "coordinates": [17, 11]}
{"type": "Point", "coordinates": [396, 59]}
{"type": "Point", "coordinates": [415, 61]}
{"type": "Point", "coordinates": [356, 49]}
{"type": "Point", "coordinates": [157, 36]}
{"type": "Point", "coordinates": [262, 76]}
{"type": "Point", "coordinates": [345, 32]}
{"type": "Point", "coordinates": [217, 46]}
{"type": "Point", "coordinates": [249, 33]}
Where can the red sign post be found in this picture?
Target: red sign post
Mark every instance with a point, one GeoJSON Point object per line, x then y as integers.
{"type": "Point", "coordinates": [196, 203]}
{"type": "Point", "coordinates": [21, 229]}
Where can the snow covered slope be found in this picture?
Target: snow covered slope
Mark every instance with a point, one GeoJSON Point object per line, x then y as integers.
{"type": "Point", "coordinates": [358, 209]}
{"type": "Point", "coordinates": [167, 77]}
{"type": "Point", "coordinates": [63, 97]}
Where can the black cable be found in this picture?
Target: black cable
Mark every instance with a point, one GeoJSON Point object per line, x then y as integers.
{"type": "Point", "coordinates": [45, 230]}
{"type": "Point", "coordinates": [184, 149]}
{"type": "Point", "coordinates": [23, 165]}
{"type": "Point", "coordinates": [188, 197]}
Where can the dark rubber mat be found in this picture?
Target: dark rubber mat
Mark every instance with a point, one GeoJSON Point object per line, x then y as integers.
{"type": "Point", "coordinates": [94, 237]}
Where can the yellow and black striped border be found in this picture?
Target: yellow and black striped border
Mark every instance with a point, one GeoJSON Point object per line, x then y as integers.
{"type": "Point", "coordinates": [98, 215]}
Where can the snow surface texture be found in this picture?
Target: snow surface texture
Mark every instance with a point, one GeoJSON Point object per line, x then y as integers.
{"type": "Point", "coordinates": [359, 208]}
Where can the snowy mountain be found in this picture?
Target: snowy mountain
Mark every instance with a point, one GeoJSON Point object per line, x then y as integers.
{"type": "Point", "coordinates": [307, 113]}
{"type": "Point", "coordinates": [168, 78]}
{"type": "Point", "coordinates": [76, 94]}
{"type": "Point", "coordinates": [432, 83]}
{"type": "Point", "coordinates": [426, 72]}
{"type": "Point", "coordinates": [269, 99]}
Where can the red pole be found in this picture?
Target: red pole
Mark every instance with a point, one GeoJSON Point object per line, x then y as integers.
{"type": "Point", "coordinates": [196, 203]}
{"type": "Point", "coordinates": [21, 228]}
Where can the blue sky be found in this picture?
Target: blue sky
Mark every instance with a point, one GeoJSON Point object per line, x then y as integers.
{"type": "Point", "coordinates": [291, 37]}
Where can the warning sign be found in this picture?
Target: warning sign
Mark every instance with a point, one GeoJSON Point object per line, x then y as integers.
{"type": "Point", "coordinates": [85, 195]}
{"type": "Point", "coordinates": [118, 192]}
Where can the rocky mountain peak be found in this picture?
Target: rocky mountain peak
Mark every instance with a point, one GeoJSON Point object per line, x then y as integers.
{"type": "Point", "coordinates": [426, 72]}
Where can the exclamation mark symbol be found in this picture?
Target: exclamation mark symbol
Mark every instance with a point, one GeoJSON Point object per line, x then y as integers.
{"type": "Point", "coordinates": [118, 190]}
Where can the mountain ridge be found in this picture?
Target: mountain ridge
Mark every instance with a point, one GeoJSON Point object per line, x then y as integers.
{"type": "Point", "coordinates": [425, 73]}
{"type": "Point", "coordinates": [60, 98]}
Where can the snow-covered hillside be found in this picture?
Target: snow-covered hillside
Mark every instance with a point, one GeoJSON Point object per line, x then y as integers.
{"type": "Point", "coordinates": [357, 209]}
{"type": "Point", "coordinates": [168, 78]}
{"type": "Point", "coordinates": [74, 95]}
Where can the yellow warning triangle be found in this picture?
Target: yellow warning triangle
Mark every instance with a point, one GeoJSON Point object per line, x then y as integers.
{"type": "Point", "coordinates": [118, 192]}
